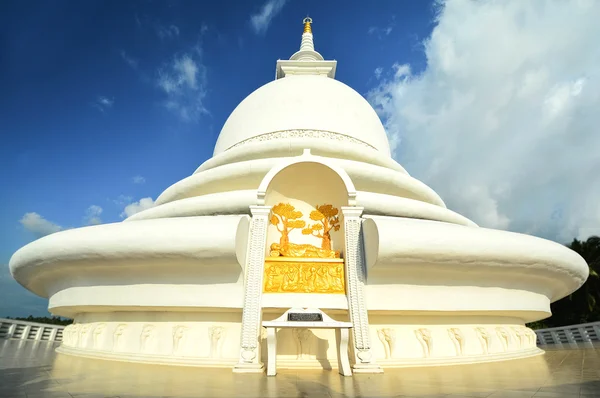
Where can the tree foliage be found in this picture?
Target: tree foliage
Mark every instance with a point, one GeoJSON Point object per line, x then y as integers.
{"type": "Point", "coordinates": [55, 320]}
{"type": "Point", "coordinates": [286, 218]}
{"type": "Point", "coordinates": [326, 217]}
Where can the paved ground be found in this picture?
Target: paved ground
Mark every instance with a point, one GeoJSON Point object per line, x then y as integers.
{"type": "Point", "coordinates": [29, 369]}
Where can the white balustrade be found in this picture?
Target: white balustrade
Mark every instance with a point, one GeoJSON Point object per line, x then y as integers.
{"type": "Point", "coordinates": [572, 335]}
{"type": "Point", "coordinates": [15, 329]}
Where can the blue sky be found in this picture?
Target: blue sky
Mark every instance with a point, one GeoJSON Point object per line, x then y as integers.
{"type": "Point", "coordinates": [105, 104]}
{"type": "Point", "coordinates": [85, 121]}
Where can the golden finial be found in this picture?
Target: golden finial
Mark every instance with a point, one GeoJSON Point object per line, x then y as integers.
{"type": "Point", "coordinates": [307, 21]}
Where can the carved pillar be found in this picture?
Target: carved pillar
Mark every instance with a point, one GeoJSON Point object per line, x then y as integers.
{"type": "Point", "coordinates": [249, 360]}
{"type": "Point", "coordinates": [355, 277]}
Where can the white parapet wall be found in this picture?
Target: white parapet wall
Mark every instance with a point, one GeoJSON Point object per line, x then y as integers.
{"type": "Point", "coordinates": [572, 335]}
{"type": "Point", "coordinates": [23, 330]}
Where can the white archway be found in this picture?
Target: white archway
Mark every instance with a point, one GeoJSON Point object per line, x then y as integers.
{"type": "Point", "coordinates": [306, 157]}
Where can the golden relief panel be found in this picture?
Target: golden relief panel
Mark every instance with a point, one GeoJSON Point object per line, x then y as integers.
{"type": "Point", "coordinates": [288, 275]}
{"type": "Point", "coordinates": [286, 218]}
{"type": "Point", "coordinates": [304, 268]}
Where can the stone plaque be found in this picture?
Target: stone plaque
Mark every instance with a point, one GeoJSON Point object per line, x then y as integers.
{"type": "Point", "coordinates": [305, 317]}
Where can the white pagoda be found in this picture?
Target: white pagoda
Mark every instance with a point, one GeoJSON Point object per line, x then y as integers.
{"type": "Point", "coordinates": [301, 206]}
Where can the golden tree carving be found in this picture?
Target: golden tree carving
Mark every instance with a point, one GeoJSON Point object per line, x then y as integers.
{"type": "Point", "coordinates": [286, 216]}
{"type": "Point", "coordinates": [326, 217]}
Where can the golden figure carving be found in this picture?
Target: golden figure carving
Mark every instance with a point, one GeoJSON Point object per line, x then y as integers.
{"type": "Point", "coordinates": [306, 250]}
{"type": "Point", "coordinates": [289, 276]}
{"type": "Point", "coordinates": [326, 217]}
{"type": "Point", "coordinates": [286, 218]}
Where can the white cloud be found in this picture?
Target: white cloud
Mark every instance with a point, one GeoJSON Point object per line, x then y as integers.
{"type": "Point", "coordinates": [260, 22]}
{"type": "Point", "coordinates": [378, 72]}
{"type": "Point", "coordinates": [381, 32]}
{"type": "Point", "coordinates": [167, 32]}
{"type": "Point", "coordinates": [136, 207]}
{"type": "Point", "coordinates": [132, 62]}
{"type": "Point", "coordinates": [183, 81]}
{"type": "Point", "coordinates": [103, 103]}
{"type": "Point", "coordinates": [37, 224]}
{"type": "Point", "coordinates": [138, 180]}
{"type": "Point", "coordinates": [92, 215]}
{"type": "Point", "coordinates": [503, 123]}
{"type": "Point", "coordinates": [122, 200]}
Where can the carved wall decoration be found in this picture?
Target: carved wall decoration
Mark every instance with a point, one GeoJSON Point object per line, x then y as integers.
{"type": "Point", "coordinates": [117, 335]}
{"type": "Point", "coordinates": [286, 218]}
{"type": "Point", "coordinates": [179, 332]}
{"type": "Point", "coordinates": [303, 133]}
{"type": "Point", "coordinates": [67, 335]}
{"type": "Point", "coordinates": [503, 336]}
{"type": "Point", "coordinates": [146, 336]}
{"type": "Point", "coordinates": [387, 336]}
{"type": "Point", "coordinates": [356, 279]}
{"type": "Point", "coordinates": [484, 338]}
{"type": "Point", "coordinates": [303, 338]}
{"type": "Point", "coordinates": [217, 336]}
{"type": "Point", "coordinates": [532, 337]}
{"type": "Point", "coordinates": [98, 332]}
{"type": "Point", "coordinates": [521, 336]}
{"type": "Point", "coordinates": [85, 328]}
{"type": "Point", "coordinates": [424, 337]}
{"type": "Point", "coordinates": [458, 339]}
{"type": "Point", "coordinates": [75, 335]}
{"type": "Point", "coordinates": [251, 312]}
{"type": "Point", "coordinates": [282, 276]}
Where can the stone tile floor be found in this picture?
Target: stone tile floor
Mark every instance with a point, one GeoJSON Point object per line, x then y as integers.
{"type": "Point", "coordinates": [32, 369]}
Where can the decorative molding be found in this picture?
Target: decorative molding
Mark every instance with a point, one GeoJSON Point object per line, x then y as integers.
{"type": "Point", "coordinates": [146, 336]}
{"type": "Point", "coordinates": [458, 339]}
{"type": "Point", "coordinates": [118, 334]}
{"type": "Point", "coordinates": [251, 314]}
{"type": "Point", "coordinates": [532, 336]}
{"type": "Point", "coordinates": [484, 338]}
{"type": "Point", "coordinates": [176, 342]}
{"type": "Point", "coordinates": [387, 336]}
{"type": "Point", "coordinates": [75, 334]}
{"type": "Point", "coordinates": [217, 336]}
{"type": "Point", "coordinates": [503, 336]}
{"type": "Point", "coordinates": [355, 271]}
{"type": "Point", "coordinates": [83, 334]}
{"type": "Point", "coordinates": [98, 332]}
{"type": "Point", "coordinates": [302, 133]}
{"type": "Point", "coordinates": [424, 337]}
{"type": "Point", "coordinates": [179, 333]}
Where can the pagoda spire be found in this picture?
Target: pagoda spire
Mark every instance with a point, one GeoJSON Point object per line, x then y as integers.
{"type": "Point", "coordinates": [306, 61]}
{"type": "Point", "coordinates": [307, 46]}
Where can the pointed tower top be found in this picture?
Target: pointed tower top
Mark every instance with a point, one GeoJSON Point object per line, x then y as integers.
{"type": "Point", "coordinates": [307, 22]}
{"type": "Point", "coordinates": [306, 61]}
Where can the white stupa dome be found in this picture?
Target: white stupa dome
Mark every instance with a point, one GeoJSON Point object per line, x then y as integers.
{"type": "Point", "coordinates": [190, 280]}
{"type": "Point", "coordinates": [307, 102]}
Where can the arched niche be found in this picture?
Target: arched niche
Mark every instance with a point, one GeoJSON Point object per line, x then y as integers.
{"type": "Point", "coordinates": [306, 185]}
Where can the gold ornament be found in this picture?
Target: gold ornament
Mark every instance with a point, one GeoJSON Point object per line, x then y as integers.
{"type": "Point", "coordinates": [286, 275]}
{"type": "Point", "coordinates": [286, 218]}
{"type": "Point", "coordinates": [307, 22]}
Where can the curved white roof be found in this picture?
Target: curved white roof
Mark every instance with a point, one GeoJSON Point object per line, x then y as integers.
{"type": "Point", "coordinates": [309, 102]}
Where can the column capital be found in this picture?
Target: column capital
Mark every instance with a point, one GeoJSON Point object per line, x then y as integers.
{"type": "Point", "coordinates": [260, 210]}
{"type": "Point", "coordinates": [352, 211]}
